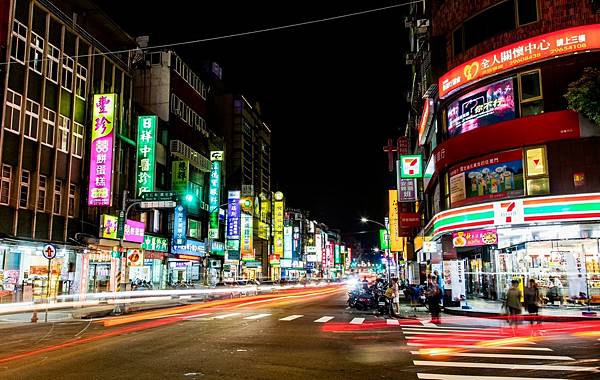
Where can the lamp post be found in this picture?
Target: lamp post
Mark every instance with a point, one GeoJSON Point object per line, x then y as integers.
{"type": "Point", "coordinates": [387, 235]}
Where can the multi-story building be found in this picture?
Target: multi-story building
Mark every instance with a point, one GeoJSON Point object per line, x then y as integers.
{"type": "Point", "coordinates": [167, 87]}
{"type": "Point", "coordinates": [57, 61]}
{"type": "Point", "coordinates": [511, 186]}
{"type": "Point", "coordinates": [248, 141]}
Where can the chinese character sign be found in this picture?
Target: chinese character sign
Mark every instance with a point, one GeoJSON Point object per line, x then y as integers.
{"type": "Point", "coordinates": [134, 231]}
{"type": "Point", "coordinates": [561, 42]}
{"type": "Point", "coordinates": [233, 215]}
{"type": "Point", "coordinates": [278, 212]}
{"type": "Point", "coordinates": [214, 191]}
{"type": "Point", "coordinates": [180, 226]}
{"type": "Point", "coordinates": [155, 243]}
{"type": "Point", "coordinates": [101, 157]}
{"type": "Point", "coordinates": [246, 247]}
{"type": "Point", "coordinates": [146, 150]}
{"type": "Point", "coordinates": [288, 234]}
{"type": "Point", "coordinates": [180, 176]}
{"type": "Point", "coordinates": [395, 241]}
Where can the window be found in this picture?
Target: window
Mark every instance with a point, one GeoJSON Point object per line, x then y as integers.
{"type": "Point", "coordinates": [530, 93]}
{"type": "Point", "coordinates": [24, 189]}
{"type": "Point", "coordinates": [53, 63]}
{"type": "Point", "coordinates": [32, 119]}
{"type": "Point", "coordinates": [77, 145]}
{"type": "Point", "coordinates": [72, 196]}
{"type": "Point", "coordinates": [81, 78]}
{"type": "Point", "coordinates": [36, 53]}
{"type": "Point", "coordinates": [183, 111]}
{"type": "Point", "coordinates": [190, 77]}
{"type": "Point", "coordinates": [57, 196]}
{"type": "Point", "coordinates": [64, 127]}
{"type": "Point", "coordinates": [494, 20]}
{"type": "Point", "coordinates": [5, 188]}
{"type": "Point", "coordinates": [195, 229]}
{"type": "Point", "coordinates": [67, 72]}
{"type": "Point", "coordinates": [42, 185]}
{"type": "Point", "coordinates": [19, 42]}
{"type": "Point", "coordinates": [48, 126]}
{"type": "Point", "coordinates": [12, 112]}
{"type": "Point", "coordinates": [527, 11]}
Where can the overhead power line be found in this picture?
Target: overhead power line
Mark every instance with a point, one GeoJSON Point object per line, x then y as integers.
{"type": "Point", "coordinates": [247, 33]}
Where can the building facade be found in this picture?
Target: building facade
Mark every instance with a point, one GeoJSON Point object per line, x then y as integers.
{"type": "Point", "coordinates": [56, 66]}
{"type": "Point", "coordinates": [510, 189]}
{"type": "Point", "coordinates": [167, 87]}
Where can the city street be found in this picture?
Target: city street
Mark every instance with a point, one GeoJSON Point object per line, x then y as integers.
{"type": "Point", "coordinates": [301, 334]}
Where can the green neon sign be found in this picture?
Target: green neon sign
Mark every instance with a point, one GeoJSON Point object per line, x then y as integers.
{"type": "Point", "coordinates": [146, 154]}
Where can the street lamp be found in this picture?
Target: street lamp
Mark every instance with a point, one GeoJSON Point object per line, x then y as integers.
{"type": "Point", "coordinates": [387, 235]}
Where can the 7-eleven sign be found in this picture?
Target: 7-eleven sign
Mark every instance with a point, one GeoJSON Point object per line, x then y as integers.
{"type": "Point", "coordinates": [411, 166]}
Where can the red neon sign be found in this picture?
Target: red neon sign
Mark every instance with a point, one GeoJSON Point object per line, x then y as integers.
{"type": "Point", "coordinates": [424, 120]}
{"type": "Point", "coordinates": [554, 44]}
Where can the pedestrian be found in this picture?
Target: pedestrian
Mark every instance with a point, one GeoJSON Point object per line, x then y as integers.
{"type": "Point", "coordinates": [440, 284]}
{"type": "Point", "coordinates": [513, 304]}
{"type": "Point", "coordinates": [433, 299]}
{"type": "Point", "coordinates": [396, 296]}
{"type": "Point", "coordinates": [532, 302]}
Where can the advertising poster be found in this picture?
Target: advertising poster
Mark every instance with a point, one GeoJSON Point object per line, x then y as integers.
{"type": "Point", "coordinates": [454, 274]}
{"type": "Point", "coordinates": [246, 241]}
{"type": "Point", "coordinates": [134, 230]}
{"type": "Point", "coordinates": [180, 176]}
{"type": "Point", "coordinates": [487, 105]}
{"type": "Point", "coordinates": [214, 198]}
{"type": "Point", "coordinates": [488, 178]}
{"type": "Point", "coordinates": [395, 241]}
{"type": "Point", "coordinates": [287, 242]}
{"type": "Point", "coordinates": [101, 153]}
{"type": "Point", "coordinates": [576, 273]}
{"type": "Point", "coordinates": [474, 238]}
{"type": "Point", "coordinates": [278, 238]}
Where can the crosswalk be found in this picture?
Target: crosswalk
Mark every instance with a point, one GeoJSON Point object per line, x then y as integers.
{"type": "Point", "coordinates": [458, 350]}
{"type": "Point", "coordinates": [290, 318]}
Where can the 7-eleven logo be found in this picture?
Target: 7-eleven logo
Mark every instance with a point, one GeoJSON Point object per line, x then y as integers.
{"type": "Point", "coordinates": [510, 212]}
{"type": "Point", "coordinates": [411, 166]}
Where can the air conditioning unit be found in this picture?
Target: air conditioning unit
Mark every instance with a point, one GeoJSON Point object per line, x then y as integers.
{"type": "Point", "coordinates": [410, 58]}
{"type": "Point", "coordinates": [422, 26]}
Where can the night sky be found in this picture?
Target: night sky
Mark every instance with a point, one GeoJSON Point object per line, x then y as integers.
{"type": "Point", "coordinates": [332, 92]}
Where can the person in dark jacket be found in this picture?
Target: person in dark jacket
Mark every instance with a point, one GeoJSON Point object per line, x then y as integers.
{"type": "Point", "coordinates": [532, 301]}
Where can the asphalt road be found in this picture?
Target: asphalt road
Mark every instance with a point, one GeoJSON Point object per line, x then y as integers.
{"type": "Point", "coordinates": [297, 337]}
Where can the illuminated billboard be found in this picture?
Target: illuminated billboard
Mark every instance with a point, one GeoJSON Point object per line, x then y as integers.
{"type": "Point", "coordinates": [484, 106]}
{"type": "Point", "coordinates": [495, 176]}
{"type": "Point", "coordinates": [101, 154]}
{"type": "Point", "coordinates": [545, 46]}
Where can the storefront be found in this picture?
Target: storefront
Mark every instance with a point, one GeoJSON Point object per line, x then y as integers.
{"type": "Point", "coordinates": [24, 269]}
{"type": "Point", "coordinates": [155, 250]}
{"type": "Point", "coordinates": [251, 270]}
{"type": "Point", "coordinates": [185, 262]}
{"type": "Point", "coordinates": [554, 240]}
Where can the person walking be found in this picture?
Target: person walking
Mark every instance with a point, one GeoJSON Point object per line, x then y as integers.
{"type": "Point", "coordinates": [433, 300]}
{"type": "Point", "coordinates": [395, 296]}
{"type": "Point", "coordinates": [440, 284]}
{"type": "Point", "coordinates": [513, 304]}
{"type": "Point", "coordinates": [532, 302]}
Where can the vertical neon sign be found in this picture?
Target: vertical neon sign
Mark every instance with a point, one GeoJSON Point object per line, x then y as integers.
{"type": "Point", "coordinates": [101, 158]}
{"type": "Point", "coordinates": [146, 150]}
{"type": "Point", "coordinates": [214, 192]}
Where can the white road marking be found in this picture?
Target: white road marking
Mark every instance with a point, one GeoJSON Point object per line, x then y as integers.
{"type": "Point", "coordinates": [291, 317]}
{"type": "Point", "coordinates": [537, 367]}
{"type": "Point", "coordinates": [450, 345]}
{"type": "Point", "coordinates": [357, 321]}
{"type": "Point", "coordinates": [443, 330]}
{"type": "Point", "coordinates": [185, 297]}
{"type": "Point", "coordinates": [324, 319]}
{"type": "Point", "coordinates": [196, 316]}
{"type": "Point", "coordinates": [393, 322]}
{"type": "Point", "coordinates": [442, 334]}
{"type": "Point", "coordinates": [439, 376]}
{"type": "Point", "coordinates": [461, 339]}
{"type": "Point", "coordinates": [466, 329]}
{"type": "Point", "coordinates": [226, 316]}
{"type": "Point", "coordinates": [502, 356]}
{"type": "Point", "coordinates": [428, 324]}
{"type": "Point", "coordinates": [257, 316]}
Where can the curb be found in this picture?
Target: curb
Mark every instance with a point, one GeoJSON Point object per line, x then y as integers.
{"type": "Point", "coordinates": [546, 318]}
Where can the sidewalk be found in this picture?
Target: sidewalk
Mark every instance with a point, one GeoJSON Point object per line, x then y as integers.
{"type": "Point", "coordinates": [493, 309]}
